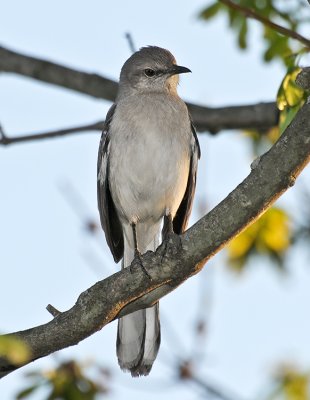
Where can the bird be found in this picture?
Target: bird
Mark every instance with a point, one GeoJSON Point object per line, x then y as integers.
{"type": "Point", "coordinates": [146, 179]}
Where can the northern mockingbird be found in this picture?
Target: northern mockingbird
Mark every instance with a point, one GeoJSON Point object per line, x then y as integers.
{"type": "Point", "coordinates": [147, 167]}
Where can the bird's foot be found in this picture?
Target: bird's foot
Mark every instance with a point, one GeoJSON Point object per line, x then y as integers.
{"type": "Point", "coordinates": [173, 239]}
{"type": "Point", "coordinates": [139, 259]}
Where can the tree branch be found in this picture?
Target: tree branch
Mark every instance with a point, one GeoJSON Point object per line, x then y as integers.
{"type": "Point", "coordinates": [180, 258]}
{"type": "Point", "coordinates": [249, 12]}
{"type": "Point", "coordinates": [303, 78]}
{"type": "Point", "coordinates": [239, 117]}
{"type": "Point", "coordinates": [131, 43]}
{"type": "Point", "coordinates": [49, 72]}
{"type": "Point", "coordinates": [258, 116]}
{"type": "Point", "coordinates": [6, 140]}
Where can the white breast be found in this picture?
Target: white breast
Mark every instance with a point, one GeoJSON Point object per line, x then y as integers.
{"type": "Point", "coordinates": [149, 157]}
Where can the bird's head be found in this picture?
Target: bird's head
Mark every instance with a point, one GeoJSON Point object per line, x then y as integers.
{"type": "Point", "coordinates": [151, 69]}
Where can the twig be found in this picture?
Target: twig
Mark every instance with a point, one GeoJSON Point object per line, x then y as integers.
{"type": "Point", "coordinates": [52, 310]}
{"type": "Point", "coordinates": [130, 42]}
{"type": "Point", "coordinates": [212, 390]}
{"type": "Point", "coordinates": [78, 204]}
{"type": "Point", "coordinates": [249, 12]}
{"type": "Point", "coordinates": [75, 201]}
{"type": "Point", "coordinates": [5, 140]}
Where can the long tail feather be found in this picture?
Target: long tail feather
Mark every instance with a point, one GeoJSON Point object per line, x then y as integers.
{"type": "Point", "coordinates": [138, 334]}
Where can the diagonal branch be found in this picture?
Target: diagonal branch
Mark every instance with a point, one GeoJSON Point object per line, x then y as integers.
{"type": "Point", "coordinates": [249, 12]}
{"type": "Point", "coordinates": [258, 116]}
{"type": "Point", "coordinates": [180, 258]}
{"type": "Point", "coordinates": [49, 72]}
{"type": "Point", "coordinates": [303, 78]}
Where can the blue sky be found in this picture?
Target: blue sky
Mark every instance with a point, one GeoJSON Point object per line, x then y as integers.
{"type": "Point", "coordinates": [256, 320]}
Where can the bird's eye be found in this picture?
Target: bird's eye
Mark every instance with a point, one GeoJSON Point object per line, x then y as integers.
{"type": "Point", "coordinates": [149, 72]}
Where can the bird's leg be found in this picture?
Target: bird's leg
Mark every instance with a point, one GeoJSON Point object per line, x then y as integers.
{"type": "Point", "coordinates": [168, 233]}
{"type": "Point", "coordinates": [169, 230]}
{"type": "Point", "coordinates": [137, 251]}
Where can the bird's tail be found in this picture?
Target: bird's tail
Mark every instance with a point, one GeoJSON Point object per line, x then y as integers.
{"type": "Point", "coordinates": [138, 334]}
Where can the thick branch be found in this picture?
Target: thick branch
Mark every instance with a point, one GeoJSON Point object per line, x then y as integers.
{"type": "Point", "coordinates": [303, 78]}
{"type": "Point", "coordinates": [123, 292]}
{"type": "Point", "coordinates": [251, 13]}
{"type": "Point", "coordinates": [259, 116]}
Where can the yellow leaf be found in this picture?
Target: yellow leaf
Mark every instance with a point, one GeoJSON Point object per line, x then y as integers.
{"type": "Point", "coordinates": [14, 349]}
{"type": "Point", "coordinates": [295, 385]}
{"type": "Point", "coordinates": [290, 94]}
{"type": "Point", "coordinates": [276, 232]}
{"type": "Point", "coordinates": [270, 235]}
{"type": "Point", "coordinates": [241, 245]}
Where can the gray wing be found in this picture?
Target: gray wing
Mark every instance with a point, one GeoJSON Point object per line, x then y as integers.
{"type": "Point", "coordinates": [182, 215]}
{"type": "Point", "coordinates": [108, 215]}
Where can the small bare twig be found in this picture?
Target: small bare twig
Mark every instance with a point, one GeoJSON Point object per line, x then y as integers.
{"type": "Point", "coordinates": [130, 42]}
{"type": "Point", "coordinates": [249, 12]}
{"type": "Point", "coordinates": [52, 310]}
{"type": "Point", "coordinates": [90, 225]}
{"type": "Point", "coordinates": [3, 137]}
{"type": "Point", "coordinates": [212, 390]}
{"type": "Point", "coordinates": [78, 204]}
{"type": "Point", "coordinates": [5, 140]}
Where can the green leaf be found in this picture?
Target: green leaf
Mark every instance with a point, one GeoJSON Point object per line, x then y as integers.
{"type": "Point", "coordinates": [286, 117]}
{"type": "Point", "coordinates": [278, 46]}
{"type": "Point", "coordinates": [26, 392]}
{"type": "Point", "coordinates": [234, 18]}
{"type": "Point", "coordinates": [242, 37]}
{"type": "Point", "coordinates": [210, 11]}
{"type": "Point", "coordinates": [68, 381]}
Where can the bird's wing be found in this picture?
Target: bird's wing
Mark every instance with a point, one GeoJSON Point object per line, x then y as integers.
{"type": "Point", "coordinates": [183, 213]}
{"type": "Point", "coordinates": [108, 215]}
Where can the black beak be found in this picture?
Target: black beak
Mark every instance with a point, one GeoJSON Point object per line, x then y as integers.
{"type": "Point", "coordinates": [177, 69]}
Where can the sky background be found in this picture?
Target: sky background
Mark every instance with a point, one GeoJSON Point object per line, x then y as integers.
{"type": "Point", "coordinates": [256, 320]}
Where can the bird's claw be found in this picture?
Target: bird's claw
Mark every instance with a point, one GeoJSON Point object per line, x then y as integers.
{"type": "Point", "coordinates": [172, 238]}
{"type": "Point", "coordinates": [138, 258]}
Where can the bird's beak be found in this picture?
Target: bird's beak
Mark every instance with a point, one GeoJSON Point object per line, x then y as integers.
{"type": "Point", "coordinates": [177, 69]}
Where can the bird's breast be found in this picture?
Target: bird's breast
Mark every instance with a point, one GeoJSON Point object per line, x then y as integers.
{"type": "Point", "coordinates": [149, 161]}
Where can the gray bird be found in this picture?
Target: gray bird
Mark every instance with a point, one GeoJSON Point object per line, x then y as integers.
{"type": "Point", "coordinates": [147, 165]}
